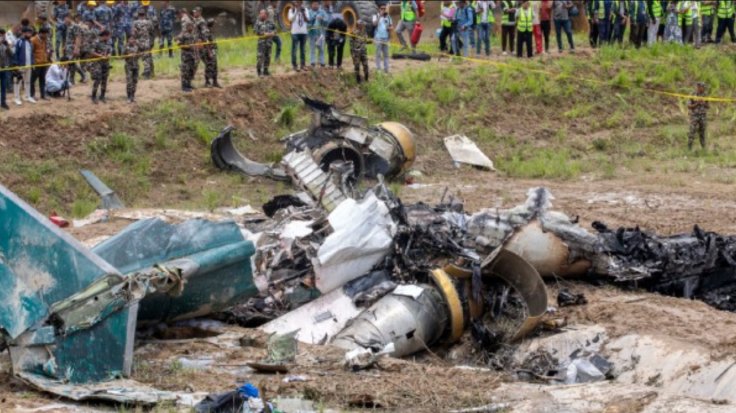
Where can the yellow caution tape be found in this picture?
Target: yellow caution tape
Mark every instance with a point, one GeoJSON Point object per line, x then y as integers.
{"type": "Point", "coordinates": [431, 53]}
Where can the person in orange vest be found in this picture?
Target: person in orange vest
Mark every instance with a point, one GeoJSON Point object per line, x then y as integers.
{"type": "Point", "coordinates": [524, 25]}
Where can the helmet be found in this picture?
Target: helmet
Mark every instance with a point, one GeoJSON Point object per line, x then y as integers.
{"type": "Point", "coordinates": [111, 2]}
{"type": "Point", "coordinates": [145, 2]}
{"type": "Point", "coordinates": [92, 3]}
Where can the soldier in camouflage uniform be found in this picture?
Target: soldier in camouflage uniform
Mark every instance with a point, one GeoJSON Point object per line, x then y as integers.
{"type": "Point", "coordinates": [89, 38]}
{"type": "Point", "coordinates": [201, 34]}
{"type": "Point", "coordinates": [61, 10]}
{"type": "Point", "coordinates": [358, 49]}
{"type": "Point", "coordinates": [698, 117]}
{"type": "Point", "coordinates": [103, 16]}
{"type": "Point", "coordinates": [168, 15]}
{"type": "Point", "coordinates": [210, 57]}
{"type": "Point", "coordinates": [266, 30]}
{"type": "Point", "coordinates": [73, 49]}
{"type": "Point", "coordinates": [100, 68]}
{"type": "Point", "coordinates": [143, 33]}
{"type": "Point", "coordinates": [186, 40]}
{"type": "Point", "coordinates": [132, 69]}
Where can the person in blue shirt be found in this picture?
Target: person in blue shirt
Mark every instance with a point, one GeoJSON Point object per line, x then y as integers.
{"type": "Point", "coordinates": [464, 20]}
{"type": "Point", "coordinates": [381, 36]}
{"type": "Point", "coordinates": [316, 25]}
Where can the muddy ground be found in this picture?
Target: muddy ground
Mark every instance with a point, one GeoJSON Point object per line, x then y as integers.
{"type": "Point", "coordinates": [428, 382]}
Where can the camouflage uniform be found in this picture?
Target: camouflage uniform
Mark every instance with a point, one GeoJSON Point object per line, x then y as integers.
{"type": "Point", "coordinates": [201, 33]}
{"type": "Point", "coordinates": [60, 12]}
{"type": "Point", "coordinates": [132, 69]}
{"type": "Point", "coordinates": [210, 59]}
{"type": "Point", "coordinates": [100, 69]}
{"type": "Point", "coordinates": [188, 60]}
{"type": "Point", "coordinates": [359, 51]}
{"type": "Point", "coordinates": [74, 32]}
{"type": "Point", "coordinates": [264, 45]}
{"type": "Point", "coordinates": [120, 27]}
{"type": "Point", "coordinates": [168, 15]}
{"type": "Point", "coordinates": [104, 15]}
{"type": "Point", "coordinates": [698, 120]}
{"type": "Point", "coordinates": [143, 33]}
{"type": "Point", "coordinates": [89, 39]}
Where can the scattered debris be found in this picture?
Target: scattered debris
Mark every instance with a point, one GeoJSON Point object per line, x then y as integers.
{"type": "Point", "coordinates": [110, 199]}
{"type": "Point", "coordinates": [58, 221]}
{"type": "Point", "coordinates": [334, 142]}
{"type": "Point", "coordinates": [565, 298]}
{"type": "Point", "coordinates": [463, 150]}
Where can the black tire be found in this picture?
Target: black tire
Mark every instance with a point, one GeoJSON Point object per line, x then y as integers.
{"type": "Point", "coordinates": [251, 11]}
{"type": "Point", "coordinates": [282, 12]}
{"type": "Point", "coordinates": [352, 11]}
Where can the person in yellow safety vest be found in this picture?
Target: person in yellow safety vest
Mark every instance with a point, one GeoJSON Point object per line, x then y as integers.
{"type": "Point", "coordinates": [725, 12]}
{"type": "Point", "coordinates": [707, 13]}
{"type": "Point", "coordinates": [687, 10]}
{"type": "Point", "coordinates": [484, 22]}
{"type": "Point", "coordinates": [524, 25]}
{"type": "Point", "coordinates": [656, 15]}
{"type": "Point", "coordinates": [639, 18]}
{"type": "Point", "coordinates": [409, 10]}
{"type": "Point", "coordinates": [447, 17]}
{"type": "Point", "coordinates": [619, 15]}
{"type": "Point", "coordinates": [508, 25]}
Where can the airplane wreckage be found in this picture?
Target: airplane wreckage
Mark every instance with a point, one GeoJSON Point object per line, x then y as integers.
{"type": "Point", "coordinates": [359, 270]}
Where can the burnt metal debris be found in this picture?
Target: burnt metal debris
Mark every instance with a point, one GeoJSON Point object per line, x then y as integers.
{"type": "Point", "coordinates": [340, 144]}
{"type": "Point", "coordinates": [360, 270]}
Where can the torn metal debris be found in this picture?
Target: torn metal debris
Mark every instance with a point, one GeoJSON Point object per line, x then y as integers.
{"type": "Point", "coordinates": [463, 150]}
{"type": "Point", "coordinates": [68, 314]}
{"type": "Point", "coordinates": [336, 142]}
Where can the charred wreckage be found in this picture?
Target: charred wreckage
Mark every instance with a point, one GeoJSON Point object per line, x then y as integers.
{"type": "Point", "coordinates": [359, 270]}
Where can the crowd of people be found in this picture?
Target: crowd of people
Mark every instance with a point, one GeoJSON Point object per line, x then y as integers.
{"type": "Point", "coordinates": [52, 52]}
{"type": "Point", "coordinates": [49, 55]}
{"type": "Point", "coordinates": [469, 24]}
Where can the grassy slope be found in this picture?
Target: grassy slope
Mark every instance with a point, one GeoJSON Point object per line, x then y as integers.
{"type": "Point", "coordinates": [553, 124]}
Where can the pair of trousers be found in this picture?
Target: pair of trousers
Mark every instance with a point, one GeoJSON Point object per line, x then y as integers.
{"type": "Point", "coordinates": [298, 41]}
{"type": "Point", "coordinates": [317, 49]}
{"type": "Point", "coordinates": [707, 31]}
{"type": "Point", "coordinates": [39, 74]}
{"type": "Point", "coordinates": [593, 33]}
{"type": "Point", "coordinates": [723, 25]}
{"type": "Point", "coordinates": [4, 87]}
{"type": "Point", "coordinates": [560, 26]}
{"type": "Point", "coordinates": [652, 31]}
{"type": "Point", "coordinates": [335, 50]}
{"type": "Point", "coordinates": [524, 38]}
{"type": "Point", "coordinates": [546, 26]}
{"type": "Point", "coordinates": [55, 86]}
{"type": "Point", "coordinates": [638, 35]}
{"type": "Point", "coordinates": [604, 29]}
{"type": "Point", "coordinates": [401, 28]}
{"type": "Point", "coordinates": [444, 34]}
{"type": "Point", "coordinates": [466, 35]}
{"type": "Point", "coordinates": [26, 80]}
{"type": "Point", "coordinates": [507, 34]}
{"type": "Point", "coordinates": [537, 30]}
{"type": "Point", "coordinates": [381, 54]}
{"type": "Point", "coordinates": [484, 37]}
{"type": "Point", "coordinates": [277, 41]}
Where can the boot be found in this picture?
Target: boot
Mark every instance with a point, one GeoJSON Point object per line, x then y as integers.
{"type": "Point", "coordinates": [207, 83]}
{"type": "Point", "coordinates": [357, 77]}
{"type": "Point", "coordinates": [102, 96]}
{"type": "Point", "coordinates": [94, 96]}
{"type": "Point", "coordinates": [215, 83]}
{"type": "Point", "coordinates": [266, 73]}
{"type": "Point", "coordinates": [258, 69]}
{"type": "Point", "coordinates": [184, 86]}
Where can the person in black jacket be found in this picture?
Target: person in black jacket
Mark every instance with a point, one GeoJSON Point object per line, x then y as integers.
{"type": "Point", "coordinates": [336, 31]}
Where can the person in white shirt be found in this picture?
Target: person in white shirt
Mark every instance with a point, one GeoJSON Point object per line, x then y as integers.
{"type": "Point", "coordinates": [298, 16]}
{"type": "Point", "coordinates": [56, 78]}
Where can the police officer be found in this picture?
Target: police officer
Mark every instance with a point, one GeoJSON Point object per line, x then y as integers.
{"type": "Point", "coordinates": [61, 10]}
{"type": "Point", "coordinates": [166, 26]}
{"type": "Point", "coordinates": [698, 117]}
